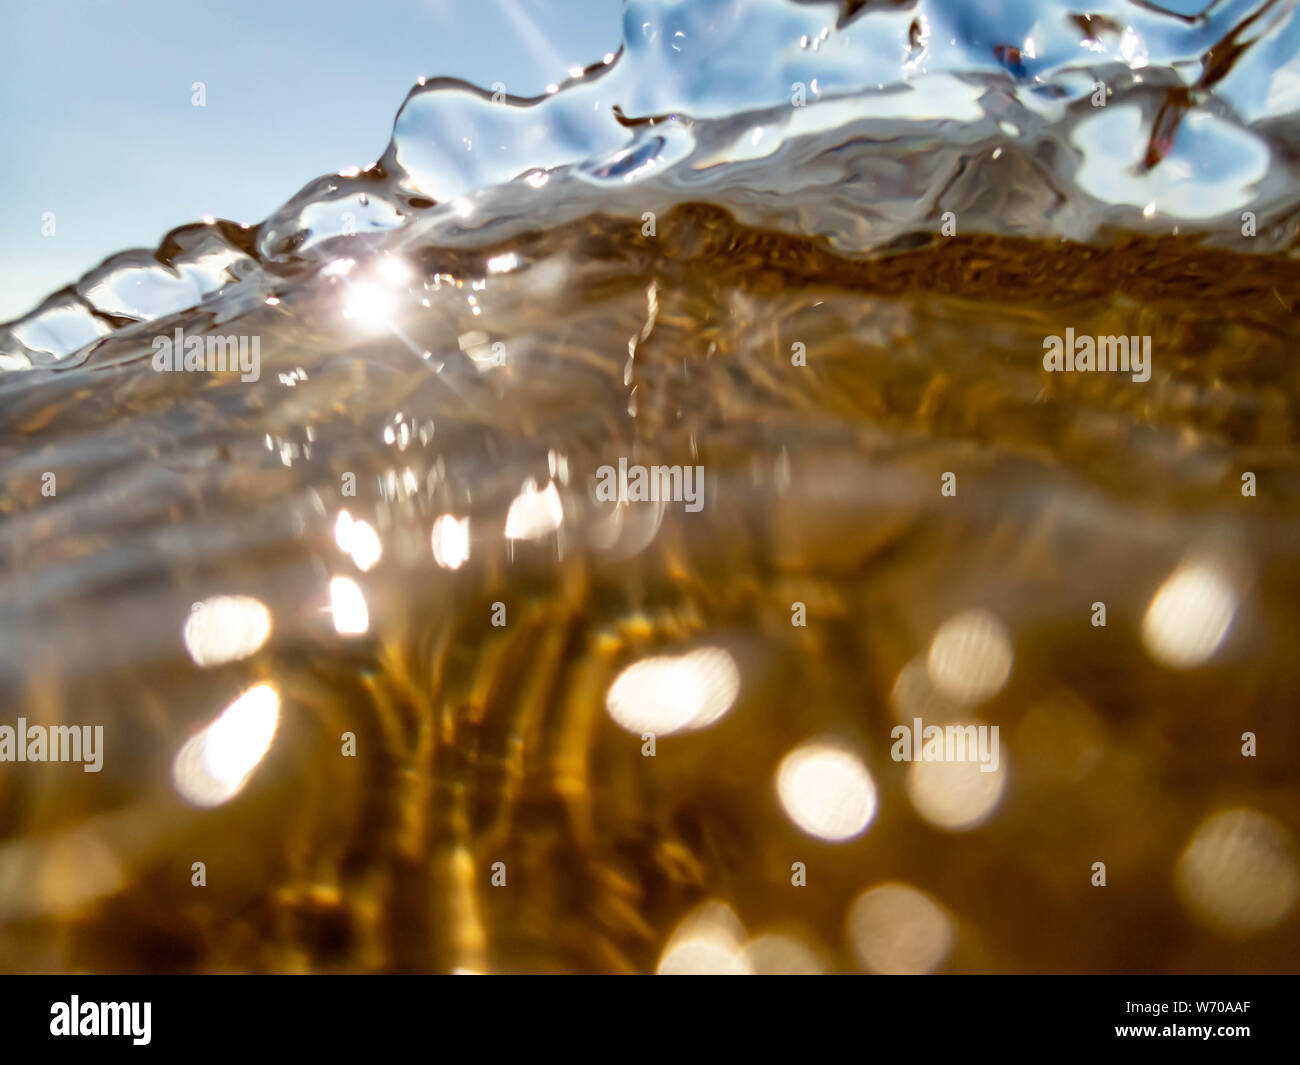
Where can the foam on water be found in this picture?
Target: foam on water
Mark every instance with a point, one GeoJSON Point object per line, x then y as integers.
{"type": "Point", "coordinates": [858, 124]}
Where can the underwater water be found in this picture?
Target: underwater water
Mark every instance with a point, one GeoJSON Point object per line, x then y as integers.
{"type": "Point", "coordinates": [370, 636]}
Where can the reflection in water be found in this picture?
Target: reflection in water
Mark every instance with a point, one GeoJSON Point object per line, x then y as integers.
{"type": "Point", "coordinates": [667, 694]}
{"type": "Point", "coordinates": [671, 729]}
{"type": "Point", "coordinates": [1240, 874]}
{"type": "Point", "coordinates": [534, 513]}
{"type": "Point", "coordinates": [1190, 615]}
{"type": "Point", "coordinates": [826, 791]}
{"type": "Point", "coordinates": [450, 539]}
{"type": "Point", "coordinates": [896, 929]}
{"type": "Point", "coordinates": [773, 954]}
{"type": "Point", "coordinates": [358, 539]}
{"type": "Point", "coordinates": [956, 795]}
{"type": "Point", "coordinates": [369, 304]}
{"type": "Point", "coordinates": [915, 696]}
{"type": "Point", "coordinates": [970, 657]}
{"type": "Point", "coordinates": [711, 940]}
{"type": "Point", "coordinates": [226, 628]}
{"type": "Point", "coordinates": [214, 765]}
{"type": "Point", "coordinates": [348, 607]}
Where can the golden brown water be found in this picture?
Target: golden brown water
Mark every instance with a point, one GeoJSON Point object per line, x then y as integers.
{"type": "Point", "coordinates": [478, 743]}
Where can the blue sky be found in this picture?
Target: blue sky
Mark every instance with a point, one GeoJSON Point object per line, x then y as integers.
{"type": "Point", "coordinates": [97, 125]}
